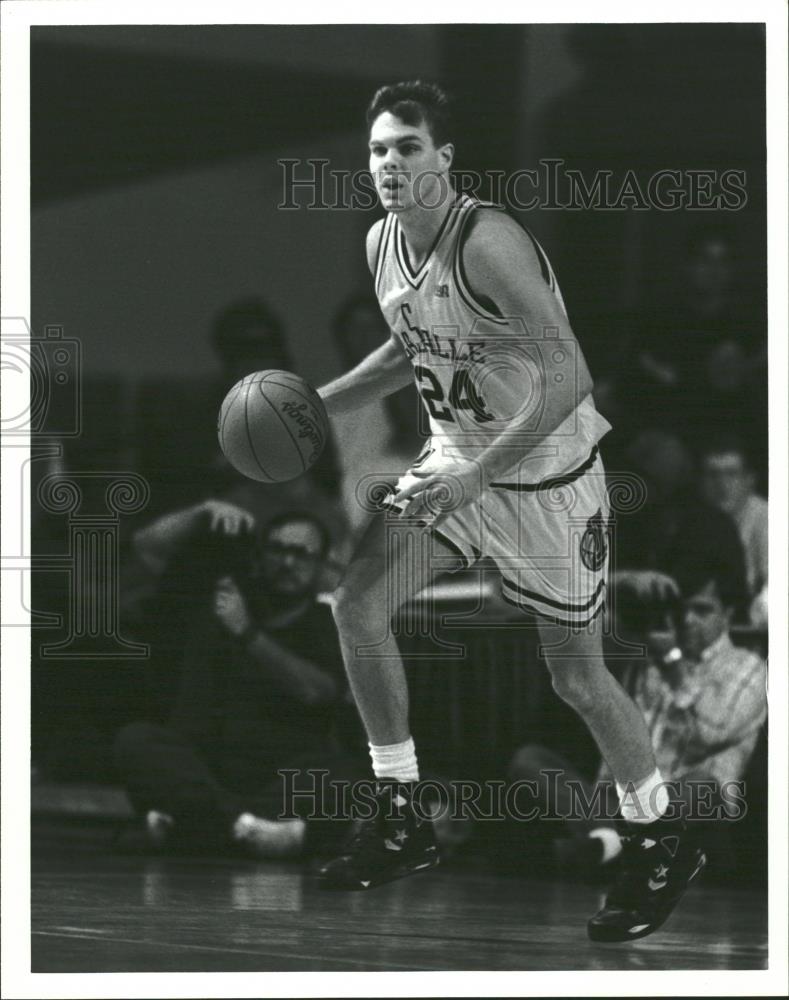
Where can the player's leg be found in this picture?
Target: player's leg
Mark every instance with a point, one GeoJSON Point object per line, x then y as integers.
{"type": "Point", "coordinates": [581, 678]}
{"type": "Point", "coordinates": [394, 561]}
{"type": "Point", "coordinates": [659, 857]}
{"type": "Point", "coordinates": [560, 549]}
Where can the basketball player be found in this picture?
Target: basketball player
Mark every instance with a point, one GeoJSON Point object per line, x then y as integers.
{"type": "Point", "coordinates": [478, 320]}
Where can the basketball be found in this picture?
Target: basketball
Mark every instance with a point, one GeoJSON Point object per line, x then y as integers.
{"type": "Point", "coordinates": [272, 426]}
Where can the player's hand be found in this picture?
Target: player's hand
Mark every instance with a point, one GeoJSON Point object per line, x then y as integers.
{"type": "Point", "coordinates": [441, 492]}
{"type": "Point", "coordinates": [227, 518]}
{"type": "Point", "coordinates": [230, 607]}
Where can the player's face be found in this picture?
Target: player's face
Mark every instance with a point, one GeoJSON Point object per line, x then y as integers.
{"type": "Point", "coordinates": [408, 169]}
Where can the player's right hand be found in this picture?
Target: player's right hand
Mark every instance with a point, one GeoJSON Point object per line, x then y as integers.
{"type": "Point", "coordinates": [438, 493]}
{"type": "Point", "coordinates": [228, 518]}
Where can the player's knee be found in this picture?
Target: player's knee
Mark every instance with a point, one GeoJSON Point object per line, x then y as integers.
{"type": "Point", "coordinates": [357, 608]}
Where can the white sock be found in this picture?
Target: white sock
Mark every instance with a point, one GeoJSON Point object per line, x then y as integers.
{"type": "Point", "coordinates": [611, 841]}
{"type": "Point", "coordinates": [644, 802]}
{"type": "Point", "coordinates": [396, 761]}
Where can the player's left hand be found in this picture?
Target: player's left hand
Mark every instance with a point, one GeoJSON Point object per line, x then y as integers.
{"type": "Point", "coordinates": [230, 607]}
{"type": "Point", "coordinates": [442, 492]}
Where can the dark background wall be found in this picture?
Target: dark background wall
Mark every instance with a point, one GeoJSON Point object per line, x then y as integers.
{"type": "Point", "coordinates": [155, 178]}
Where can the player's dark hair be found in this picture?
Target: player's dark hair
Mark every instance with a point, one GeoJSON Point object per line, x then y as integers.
{"type": "Point", "coordinates": [246, 325]}
{"type": "Point", "coordinates": [415, 102]}
{"type": "Point", "coordinates": [298, 517]}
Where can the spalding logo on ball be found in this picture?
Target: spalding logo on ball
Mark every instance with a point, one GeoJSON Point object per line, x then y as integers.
{"type": "Point", "coordinates": [272, 426]}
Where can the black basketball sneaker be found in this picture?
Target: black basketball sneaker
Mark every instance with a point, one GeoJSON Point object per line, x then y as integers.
{"type": "Point", "coordinates": [658, 862]}
{"type": "Point", "coordinates": [396, 842]}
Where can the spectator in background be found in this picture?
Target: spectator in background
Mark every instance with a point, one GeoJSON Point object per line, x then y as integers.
{"type": "Point", "coordinates": [248, 336]}
{"type": "Point", "coordinates": [675, 526]}
{"type": "Point", "coordinates": [378, 439]}
{"type": "Point", "coordinates": [701, 361]}
{"type": "Point", "coordinates": [247, 679]}
{"type": "Point", "coordinates": [728, 483]}
{"type": "Point", "coordinates": [178, 443]}
{"type": "Point", "coordinates": [703, 699]}
{"type": "Point", "coordinates": [177, 425]}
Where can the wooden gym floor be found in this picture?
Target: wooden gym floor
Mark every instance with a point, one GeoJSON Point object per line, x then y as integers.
{"type": "Point", "coordinates": [96, 911]}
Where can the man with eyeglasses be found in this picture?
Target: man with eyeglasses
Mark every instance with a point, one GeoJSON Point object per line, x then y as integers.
{"type": "Point", "coordinates": [261, 688]}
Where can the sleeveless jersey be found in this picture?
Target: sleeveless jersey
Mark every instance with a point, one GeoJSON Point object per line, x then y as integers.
{"type": "Point", "coordinates": [477, 371]}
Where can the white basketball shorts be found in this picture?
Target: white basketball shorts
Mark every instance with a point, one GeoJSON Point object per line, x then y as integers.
{"type": "Point", "coordinates": [549, 540]}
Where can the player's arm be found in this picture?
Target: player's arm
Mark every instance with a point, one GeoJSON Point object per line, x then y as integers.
{"type": "Point", "coordinates": [381, 373]}
{"type": "Point", "coordinates": [502, 268]}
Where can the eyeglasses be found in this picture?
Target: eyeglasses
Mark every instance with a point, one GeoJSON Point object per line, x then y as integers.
{"type": "Point", "coordinates": [296, 553]}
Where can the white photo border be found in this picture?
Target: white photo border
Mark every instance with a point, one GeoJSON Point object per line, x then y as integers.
{"type": "Point", "coordinates": [17, 18]}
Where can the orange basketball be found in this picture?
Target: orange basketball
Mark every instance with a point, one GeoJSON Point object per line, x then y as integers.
{"type": "Point", "coordinates": [272, 426]}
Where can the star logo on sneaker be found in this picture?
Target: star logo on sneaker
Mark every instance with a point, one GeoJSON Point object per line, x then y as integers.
{"type": "Point", "coordinates": [661, 872]}
{"type": "Point", "coordinates": [401, 836]}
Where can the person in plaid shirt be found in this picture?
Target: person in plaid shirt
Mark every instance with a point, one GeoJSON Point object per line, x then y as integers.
{"type": "Point", "coordinates": [704, 700]}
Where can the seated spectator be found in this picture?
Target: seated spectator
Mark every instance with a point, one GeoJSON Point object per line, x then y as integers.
{"type": "Point", "coordinates": [703, 699]}
{"type": "Point", "coordinates": [675, 524]}
{"type": "Point", "coordinates": [248, 680]}
{"type": "Point", "coordinates": [728, 481]}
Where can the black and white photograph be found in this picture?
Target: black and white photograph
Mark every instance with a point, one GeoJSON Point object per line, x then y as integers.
{"type": "Point", "coordinates": [394, 500]}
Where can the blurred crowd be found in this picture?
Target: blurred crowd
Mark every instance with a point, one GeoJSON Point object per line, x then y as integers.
{"type": "Point", "coordinates": [226, 579]}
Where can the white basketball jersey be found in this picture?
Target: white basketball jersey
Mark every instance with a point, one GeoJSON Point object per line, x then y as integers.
{"type": "Point", "coordinates": [476, 370]}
